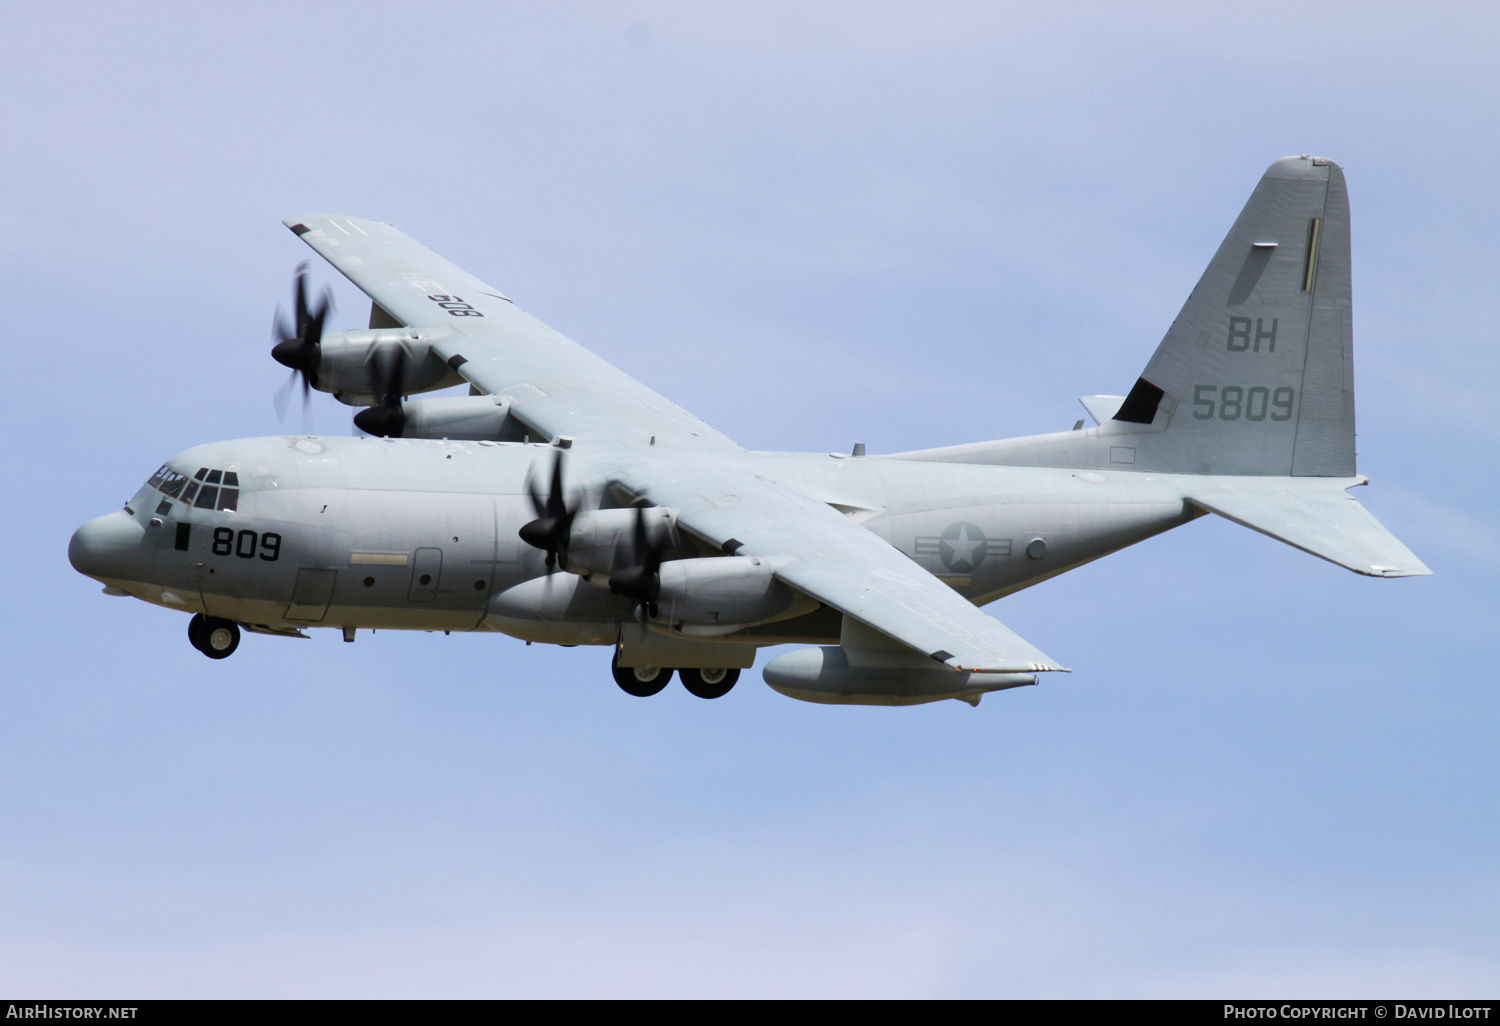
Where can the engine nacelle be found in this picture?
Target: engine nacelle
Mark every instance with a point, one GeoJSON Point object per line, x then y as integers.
{"type": "Point", "coordinates": [721, 594]}
{"type": "Point", "coordinates": [353, 364]}
{"type": "Point", "coordinates": [602, 541]}
{"type": "Point", "coordinates": [467, 417]}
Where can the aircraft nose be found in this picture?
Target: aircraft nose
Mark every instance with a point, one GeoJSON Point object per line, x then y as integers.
{"type": "Point", "coordinates": [111, 547]}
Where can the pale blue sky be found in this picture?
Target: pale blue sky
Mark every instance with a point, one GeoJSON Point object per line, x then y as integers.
{"type": "Point", "coordinates": [903, 224]}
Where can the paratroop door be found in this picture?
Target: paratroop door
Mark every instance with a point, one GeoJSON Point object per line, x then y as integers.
{"type": "Point", "coordinates": [426, 568]}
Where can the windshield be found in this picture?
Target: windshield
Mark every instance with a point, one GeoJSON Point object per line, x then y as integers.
{"type": "Point", "coordinates": [207, 489]}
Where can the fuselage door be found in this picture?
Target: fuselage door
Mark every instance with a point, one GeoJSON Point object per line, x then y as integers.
{"type": "Point", "coordinates": [311, 594]}
{"type": "Point", "coordinates": [426, 569]}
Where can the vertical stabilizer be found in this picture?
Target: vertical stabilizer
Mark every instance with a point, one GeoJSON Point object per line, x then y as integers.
{"type": "Point", "coordinates": [1256, 374]}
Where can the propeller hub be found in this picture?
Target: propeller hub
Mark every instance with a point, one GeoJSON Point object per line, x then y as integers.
{"type": "Point", "coordinates": [384, 421]}
{"type": "Point", "coordinates": [299, 354]}
{"type": "Point", "coordinates": [542, 533]}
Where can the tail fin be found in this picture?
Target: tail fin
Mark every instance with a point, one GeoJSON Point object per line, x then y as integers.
{"type": "Point", "coordinates": [1256, 374]}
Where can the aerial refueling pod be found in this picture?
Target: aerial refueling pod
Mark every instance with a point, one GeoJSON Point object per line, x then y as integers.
{"type": "Point", "coordinates": [869, 668]}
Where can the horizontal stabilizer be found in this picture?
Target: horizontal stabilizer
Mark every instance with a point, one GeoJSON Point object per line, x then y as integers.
{"type": "Point", "coordinates": [1316, 516]}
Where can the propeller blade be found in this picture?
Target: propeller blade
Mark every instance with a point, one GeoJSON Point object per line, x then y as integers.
{"type": "Point", "coordinates": [386, 419]}
{"type": "Point", "coordinates": [553, 526]}
{"type": "Point", "coordinates": [283, 396]}
{"type": "Point", "coordinates": [642, 582]}
{"type": "Point", "coordinates": [299, 345]}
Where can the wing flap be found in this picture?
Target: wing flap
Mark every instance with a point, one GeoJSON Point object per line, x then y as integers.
{"type": "Point", "coordinates": [1317, 516]}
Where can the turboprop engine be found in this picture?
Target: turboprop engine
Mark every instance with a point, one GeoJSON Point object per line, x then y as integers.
{"type": "Point", "coordinates": [471, 417]}
{"type": "Point", "coordinates": [721, 594]}
{"type": "Point", "coordinates": [602, 541]}
{"type": "Point", "coordinates": [361, 367]}
{"type": "Point", "coordinates": [372, 368]}
{"type": "Point", "coordinates": [701, 596]}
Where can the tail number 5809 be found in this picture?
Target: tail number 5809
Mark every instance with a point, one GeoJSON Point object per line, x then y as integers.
{"type": "Point", "coordinates": [1237, 403]}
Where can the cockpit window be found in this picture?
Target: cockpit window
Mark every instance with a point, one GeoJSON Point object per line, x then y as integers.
{"type": "Point", "coordinates": [203, 492]}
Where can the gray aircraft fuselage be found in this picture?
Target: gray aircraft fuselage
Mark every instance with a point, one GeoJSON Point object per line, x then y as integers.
{"type": "Point", "coordinates": [421, 534]}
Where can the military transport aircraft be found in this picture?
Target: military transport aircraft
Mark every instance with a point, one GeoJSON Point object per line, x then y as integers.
{"type": "Point", "coordinates": [561, 501]}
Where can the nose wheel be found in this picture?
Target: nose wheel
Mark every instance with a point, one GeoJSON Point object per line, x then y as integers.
{"type": "Point", "coordinates": [640, 681]}
{"type": "Point", "coordinates": [708, 683]}
{"type": "Point", "coordinates": [214, 637]}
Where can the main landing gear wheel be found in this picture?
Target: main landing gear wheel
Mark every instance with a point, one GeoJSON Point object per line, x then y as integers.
{"type": "Point", "coordinates": [708, 683]}
{"type": "Point", "coordinates": [214, 637]}
{"type": "Point", "coordinates": [640, 681]}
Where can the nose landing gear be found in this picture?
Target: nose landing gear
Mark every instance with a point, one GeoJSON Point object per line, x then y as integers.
{"type": "Point", "coordinates": [214, 637]}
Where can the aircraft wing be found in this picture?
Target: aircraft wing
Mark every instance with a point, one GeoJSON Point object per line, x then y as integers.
{"type": "Point", "coordinates": [819, 551]}
{"type": "Point", "coordinates": [560, 388]}
{"type": "Point", "coordinates": [555, 385]}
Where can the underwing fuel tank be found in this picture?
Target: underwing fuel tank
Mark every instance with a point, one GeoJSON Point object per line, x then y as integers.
{"type": "Point", "coordinates": [869, 668]}
{"type": "Point", "coordinates": [833, 675]}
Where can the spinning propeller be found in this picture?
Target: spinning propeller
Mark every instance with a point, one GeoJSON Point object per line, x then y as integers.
{"type": "Point", "coordinates": [299, 346]}
{"type": "Point", "coordinates": [386, 418]}
{"type": "Point", "coordinates": [642, 581]}
{"type": "Point", "coordinates": [554, 517]}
